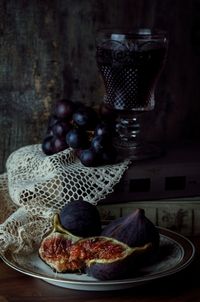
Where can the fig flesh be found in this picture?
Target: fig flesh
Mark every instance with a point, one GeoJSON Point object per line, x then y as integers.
{"type": "Point", "coordinates": [81, 218]}
{"type": "Point", "coordinates": [121, 261]}
{"type": "Point", "coordinates": [134, 229]}
{"type": "Point", "coordinates": [102, 257]}
{"type": "Point", "coordinates": [54, 247]}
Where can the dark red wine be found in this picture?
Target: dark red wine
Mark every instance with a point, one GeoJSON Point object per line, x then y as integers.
{"type": "Point", "coordinates": [130, 76]}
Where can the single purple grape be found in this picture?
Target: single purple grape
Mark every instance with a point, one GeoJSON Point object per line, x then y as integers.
{"type": "Point", "coordinates": [77, 138]}
{"type": "Point", "coordinates": [88, 158]}
{"type": "Point", "coordinates": [85, 118]}
{"type": "Point", "coordinates": [47, 145]}
{"type": "Point", "coordinates": [99, 143]}
{"type": "Point", "coordinates": [61, 129]}
{"type": "Point", "coordinates": [59, 144]}
{"type": "Point", "coordinates": [64, 109]}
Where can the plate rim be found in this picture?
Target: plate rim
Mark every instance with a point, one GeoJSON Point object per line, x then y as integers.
{"type": "Point", "coordinates": [181, 240]}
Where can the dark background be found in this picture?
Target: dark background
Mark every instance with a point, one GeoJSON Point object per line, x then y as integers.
{"type": "Point", "coordinates": [47, 51]}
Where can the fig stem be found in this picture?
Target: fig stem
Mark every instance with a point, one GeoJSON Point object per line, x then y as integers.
{"type": "Point", "coordinates": [57, 227]}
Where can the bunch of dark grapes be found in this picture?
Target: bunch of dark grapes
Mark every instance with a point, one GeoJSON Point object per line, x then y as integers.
{"type": "Point", "coordinates": [80, 127]}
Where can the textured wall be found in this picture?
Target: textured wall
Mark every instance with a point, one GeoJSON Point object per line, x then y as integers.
{"type": "Point", "coordinates": [47, 51]}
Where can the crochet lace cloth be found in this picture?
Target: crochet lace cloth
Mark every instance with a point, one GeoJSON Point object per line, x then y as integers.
{"type": "Point", "coordinates": [36, 186]}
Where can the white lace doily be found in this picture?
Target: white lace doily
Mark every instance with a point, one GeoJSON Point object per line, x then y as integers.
{"type": "Point", "coordinates": [35, 186]}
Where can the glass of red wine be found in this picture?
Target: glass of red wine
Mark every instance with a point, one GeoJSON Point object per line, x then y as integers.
{"type": "Point", "coordinates": [130, 63]}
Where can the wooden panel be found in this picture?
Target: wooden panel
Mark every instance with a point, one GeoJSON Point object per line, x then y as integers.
{"type": "Point", "coordinates": [47, 51]}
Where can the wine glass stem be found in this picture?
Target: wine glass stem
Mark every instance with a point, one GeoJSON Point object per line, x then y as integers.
{"type": "Point", "coordinates": [127, 131]}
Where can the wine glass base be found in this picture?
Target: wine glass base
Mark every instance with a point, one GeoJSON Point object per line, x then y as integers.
{"type": "Point", "coordinates": [138, 151]}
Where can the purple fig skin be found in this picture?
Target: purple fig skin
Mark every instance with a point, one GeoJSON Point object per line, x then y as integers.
{"type": "Point", "coordinates": [81, 218]}
{"type": "Point", "coordinates": [112, 271]}
{"type": "Point", "coordinates": [135, 229]}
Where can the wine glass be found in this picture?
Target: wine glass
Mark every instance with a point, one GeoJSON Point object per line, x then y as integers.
{"type": "Point", "coordinates": [130, 62]}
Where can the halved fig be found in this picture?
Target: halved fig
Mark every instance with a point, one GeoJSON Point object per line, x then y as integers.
{"type": "Point", "coordinates": [114, 259]}
{"type": "Point", "coordinates": [54, 247]}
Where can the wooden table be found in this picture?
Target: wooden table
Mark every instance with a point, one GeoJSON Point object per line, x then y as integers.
{"type": "Point", "coordinates": [183, 287]}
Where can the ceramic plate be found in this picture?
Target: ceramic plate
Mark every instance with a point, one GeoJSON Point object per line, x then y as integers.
{"type": "Point", "coordinates": [176, 253]}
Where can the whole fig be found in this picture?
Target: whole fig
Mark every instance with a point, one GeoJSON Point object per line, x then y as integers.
{"type": "Point", "coordinates": [81, 218]}
{"type": "Point", "coordinates": [134, 229]}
